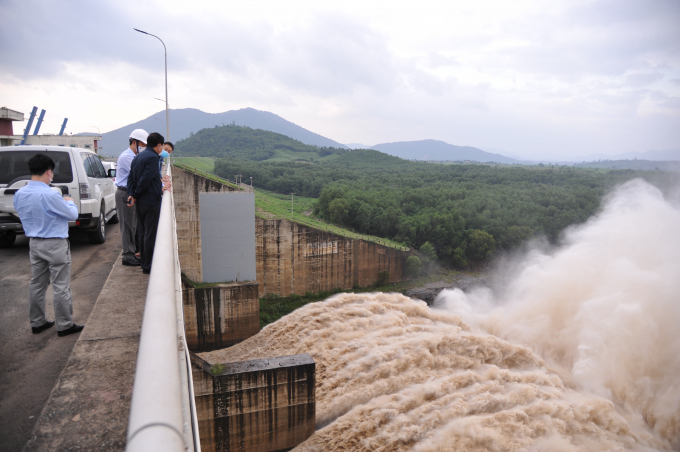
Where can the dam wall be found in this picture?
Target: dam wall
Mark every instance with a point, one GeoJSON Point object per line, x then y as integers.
{"type": "Point", "coordinates": [293, 259]}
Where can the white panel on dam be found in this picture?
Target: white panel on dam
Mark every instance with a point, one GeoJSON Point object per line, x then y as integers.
{"type": "Point", "coordinates": [228, 236]}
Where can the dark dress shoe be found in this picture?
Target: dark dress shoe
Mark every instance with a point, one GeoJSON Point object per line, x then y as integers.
{"type": "Point", "coordinates": [40, 329]}
{"type": "Point", "coordinates": [74, 329]}
{"type": "Point", "coordinates": [132, 263]}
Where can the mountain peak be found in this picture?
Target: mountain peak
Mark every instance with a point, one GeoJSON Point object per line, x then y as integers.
{"type": "Point", "coordinates": [185, 121]}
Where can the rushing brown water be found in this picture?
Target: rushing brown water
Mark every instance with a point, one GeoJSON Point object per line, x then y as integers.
{"type": "Point", "coordinates": [582, 352]}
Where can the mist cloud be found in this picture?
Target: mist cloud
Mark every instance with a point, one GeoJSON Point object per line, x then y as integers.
{"type": "Point", "coordinates": [603, 308]}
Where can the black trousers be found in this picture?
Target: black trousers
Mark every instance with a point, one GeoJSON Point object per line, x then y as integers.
{"type": "Point", "coordinates": [147, 226]}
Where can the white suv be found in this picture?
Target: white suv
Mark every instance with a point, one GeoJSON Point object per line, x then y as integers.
{"type": "Point", "coordinates": [78, 173]}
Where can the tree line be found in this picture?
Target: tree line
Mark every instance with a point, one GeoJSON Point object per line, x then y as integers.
{"type": "Point", "coordinates": [464, 212]}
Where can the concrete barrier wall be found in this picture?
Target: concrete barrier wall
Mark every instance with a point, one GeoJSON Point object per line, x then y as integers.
{"type": "Point", "coordinates": [256, 406]}
{"type": "Point", "coordinates": [292, 258]}
{"type": "Point", "coordinates": [187, 187]}
{"type": "Point", "coordinates": [219, 316]}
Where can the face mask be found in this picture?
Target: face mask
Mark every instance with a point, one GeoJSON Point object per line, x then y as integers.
{"type": "Point", "coordinates": [51, 179]}
{"type": "Point", "coordinates": [164, 154]}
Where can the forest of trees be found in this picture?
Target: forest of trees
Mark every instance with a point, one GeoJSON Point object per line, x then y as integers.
{"type": "Point", "coordinates": [247, 144]}
{"type": "Point", "coordinates": [461, 211]}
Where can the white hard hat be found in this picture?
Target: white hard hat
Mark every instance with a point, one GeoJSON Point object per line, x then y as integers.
{"type": "Point", "coordinates": [139, 135]}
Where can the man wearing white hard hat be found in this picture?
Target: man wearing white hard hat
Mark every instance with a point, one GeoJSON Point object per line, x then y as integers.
{"type": "Point", "coordinates": [127, 215]}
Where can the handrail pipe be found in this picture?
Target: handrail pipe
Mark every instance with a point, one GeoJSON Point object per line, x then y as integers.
{"type": "Point", "coordinates": [157, 419]}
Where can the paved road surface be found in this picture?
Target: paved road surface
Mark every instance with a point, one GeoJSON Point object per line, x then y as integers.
{"type": "Point", "coordinates": [30, 364]}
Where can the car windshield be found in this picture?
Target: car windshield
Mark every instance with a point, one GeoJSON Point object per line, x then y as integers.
{"type": "Point", "coordinates": [14, 164]}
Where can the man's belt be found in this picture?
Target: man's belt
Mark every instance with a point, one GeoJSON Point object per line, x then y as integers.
{"type": "Point", "coordinates": [121, 188]}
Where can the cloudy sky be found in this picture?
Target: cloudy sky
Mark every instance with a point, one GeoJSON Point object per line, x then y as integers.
{"type": "Point", "coordinates": [530, 78]}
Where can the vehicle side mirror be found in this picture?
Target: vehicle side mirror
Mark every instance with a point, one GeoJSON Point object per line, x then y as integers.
{"type": "Point", "coordinates": [112, 173]}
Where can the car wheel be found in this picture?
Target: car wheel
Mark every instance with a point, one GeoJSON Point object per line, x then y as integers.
{"type": "Point", "coordinates": [7, 239]}
{"type": "Point", "coordinates": [98, 235]}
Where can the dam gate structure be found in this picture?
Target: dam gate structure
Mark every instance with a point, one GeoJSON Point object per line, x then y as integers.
{"type": "Point", "coordinates": [215, 233]}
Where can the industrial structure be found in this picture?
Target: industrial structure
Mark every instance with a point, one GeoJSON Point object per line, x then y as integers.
{"type": "Point", "coordinates": [8, 138]}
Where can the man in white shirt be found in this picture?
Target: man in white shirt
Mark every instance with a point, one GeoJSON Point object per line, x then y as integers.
{"type": "Point", "coordinates": [127, 215]}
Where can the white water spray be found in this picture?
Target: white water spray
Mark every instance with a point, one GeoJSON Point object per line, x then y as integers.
{"type": "Point", "coordinates": [604, 308]}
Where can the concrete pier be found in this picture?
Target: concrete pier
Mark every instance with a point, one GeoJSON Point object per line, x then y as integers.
{"type": "Point", "coordinates": [263, 405]}
{"type": "Point", "coordinates": [221, 315]}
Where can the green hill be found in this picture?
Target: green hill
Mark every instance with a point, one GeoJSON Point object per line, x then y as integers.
{"type": "Point", "coordinates": [250, 144]}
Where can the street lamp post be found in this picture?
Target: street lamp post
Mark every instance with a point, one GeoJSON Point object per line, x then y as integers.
{"type": "Point", "coordinates": [167, 114]}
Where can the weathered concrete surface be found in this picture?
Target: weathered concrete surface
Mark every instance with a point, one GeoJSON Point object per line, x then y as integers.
{"type": "Point", "coordinates": [89, 406]}
{"type": "Point", "coordinates": [256, 406]}
{"type": "Point", "coordinates": [30, 364]}
{"type": "Point", "coordinates": [186, 189]}
{"type": "Point", "coordinates": [219, 316]}
{"type": "Point", "coordinates": [293, 258]}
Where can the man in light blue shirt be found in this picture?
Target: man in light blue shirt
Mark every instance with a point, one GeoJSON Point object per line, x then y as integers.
{"type": "Point", "coordinates": [44, 215]}
{"type": "Point", "coordinates": [127, 215]}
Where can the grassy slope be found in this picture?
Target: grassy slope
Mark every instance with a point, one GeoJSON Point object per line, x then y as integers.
{"type": "Point", "coordinates": [206, 164]}
{"type": "Point", "coordinates": [276, 205]}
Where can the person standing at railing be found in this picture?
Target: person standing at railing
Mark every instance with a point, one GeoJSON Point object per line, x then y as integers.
{"type": "Point", "coordinates": [128, 215]}
{"type": "Point", "coordinates": [168, 147]}
{"type": "Point", "coordinates": [45, 214]}
{"type": "Point", "coordinates": [145, 191]}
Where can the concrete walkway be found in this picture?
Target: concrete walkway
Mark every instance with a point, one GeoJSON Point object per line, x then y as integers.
{"type": "Point", "coordinates": [30, 364]}
{"type": "Point", "coordinates": [89, 406]}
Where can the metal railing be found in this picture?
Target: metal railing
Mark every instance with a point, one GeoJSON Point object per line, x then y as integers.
{"type": "Point", "coordinates": [162, 411]}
